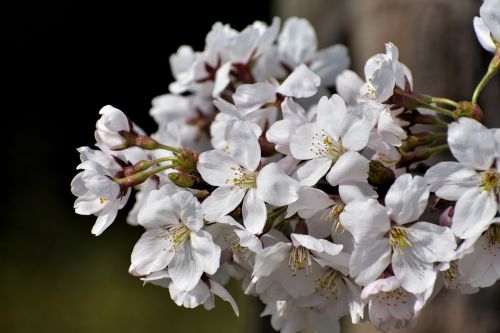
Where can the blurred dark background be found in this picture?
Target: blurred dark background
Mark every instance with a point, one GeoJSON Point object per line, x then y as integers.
{"type": "Point", "coordinates": [62, 62]}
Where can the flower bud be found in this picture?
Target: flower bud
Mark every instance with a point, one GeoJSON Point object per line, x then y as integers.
{"type": "Point", "coordinates": [181, 179]}
{"type": "Point", "coordinates": [468, 109]}
{"type": "Point", "coordinates": [418, 139]}
{"type": "Point", "coordinates": [380, 175]}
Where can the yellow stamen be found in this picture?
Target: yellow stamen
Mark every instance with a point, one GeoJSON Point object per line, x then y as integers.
{"type": "Point", "coordinates": [325, 145]}
{"type": "Point", "coordinates": [491, 180]}
{"type": "Point", "coordinates": [398, 238]}
{"type": "Point", "coordinates": [243, 178]}
{"type": "Point", "coordinates": [176, 234]}
{"type": "Point", "coordinates": [299, 259]}
{"type": "Point", "coordinates": [328, 283]}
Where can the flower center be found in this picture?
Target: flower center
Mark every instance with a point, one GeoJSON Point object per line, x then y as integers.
{"type": "Point", "coordinates": [241, 252]}
{"type": "Point", "coordinates": [325, 145]}
{"type": "Point", "coordinates": [176, 234]}
{"type": "Point", "coordinates": [243, 178]}
{"type": "Point", "coordinates": [451, 274]}
{"type": "Point", "coordinates": [491, 180]}
{"type": "Point", "coordinates": [299, 259]}
{"type": "Point", "coordinates": [328, 283]}
{"type": "Point", "coordinates": [398, 238]}
{"type": "Point", "coordinates": [102, 200]}
{"type": "Point", "coordinates": [333, 214]}
{"type": "Point", "coordinates": [393, 297]}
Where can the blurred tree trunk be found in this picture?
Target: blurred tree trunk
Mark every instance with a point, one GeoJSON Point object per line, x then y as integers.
{"type": "Point", "coordinates": [436, 40]}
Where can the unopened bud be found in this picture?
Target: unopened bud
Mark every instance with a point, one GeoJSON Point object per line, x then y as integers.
{"type": "Point", "coordinates": [418, 139]}
{"type": "Point", "coordinates": [181, 179]}
{"type": "Point", "coordinates": [187, 160]}
{"type": "Point", "coordinates": [469, 109]}
{"type": "Point", "coordinates": [379, 174]}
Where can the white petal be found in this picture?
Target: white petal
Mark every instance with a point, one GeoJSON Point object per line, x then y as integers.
{"type": "Point", "coordinates": [348, 84]}
{"type": "Point", "coordinates": [407, 198]}
{"type": "Point", "coordinates": [189, 298]}
{"type": "Point", "coordinates": [390, 131]}
{"type": "Point", "coordinates": [313, 170]}
{"type": "Point", "coordinates": [205, 251]}
{"type": "Point", "coordinates": [222, 79]}
{"type": "Point", "coordinates": [432, 243]}
{"type": "Point", "coordinates": [248, 96]}
{"type": "Point", "coordinates": [369, 260]}
{"type": "Point", "coordinates": [356, 191]}
{"type": "Point", "coordinates": [184, 269]}
{"type": "Point", "coordinates": [151, 253]}
{"type": "Point", "coordinates": [416, 275]}
{"type": "Point", "coordinates": [157, 211]}
{"type": "Point", "coordinates": [474, 212]}
{"type": "Point", "coordinates": [254, 212]}
{"type": "Point", "coordinates": [490, 13]}
{"type": "Point", "coordinates": [331, 115]}
{"type": "Point", "coordinates": [365, 220]}
{"type": "Point", "coordinates": [221, 202]}
{"type": "Point", "coordinates": [301, 83]}
{"type": "Point", "coordinates": [471, 143]}
{"type": "Point", "coordinates": [350, 167]}
{"type": "Point", "coordinates": [270, 258]}
{"type": "Point", "coordinates": [311, 200]}
{"type": "Point", "coordinates": [483, 35]}
{"type": "Point", "coordinates": [242, 144]}
{"type": "Point", "coordinates": [329, 63]}
{"type": "Point", "coordinates": [276, 187]}
{"type": "Point", "coordinates": [357, 128]}
{"type": "Point", "coordinates": [105, 218]}
{"type": "Point", "coordinates": [451, 179]}
{"type": "Point", "coordinates": [220, 291]}
{"type": "Point", "coordinates": [302, 142]}
{"type": "Point", "coordinates": [216, 168]}
{"type": "Point", "coordinates": [314, 244]}
{"type": "Point", "coordinates": [297, 42]}
{"type": "Point", "coordinates": [188, 208]}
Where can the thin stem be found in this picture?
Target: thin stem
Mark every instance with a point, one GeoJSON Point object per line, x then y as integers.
{"type": "Point", "coordinates": [492, 70]}
{"type": "Point", "coordinates": [140, 177]}
{"type": "Point", "coordinates": [440, 110]}
{"type": "Point", "coordinates": [445, 101]}
{"type": "Point", "coordinates": [172, 149]}
{"type": "Point", "coordinates": [437, 149]}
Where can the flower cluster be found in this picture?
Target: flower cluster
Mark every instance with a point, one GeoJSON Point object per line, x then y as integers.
{"type": "Point", "coordinates": [324, 205]}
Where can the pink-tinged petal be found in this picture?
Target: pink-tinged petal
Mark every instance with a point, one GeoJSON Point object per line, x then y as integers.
{"type": "Point", "coordinates": [483, 35]}
{"type": "Point", "coordinates": [471, 143]}
{"type": "Point", "coordinates": [205, 251]}
{"type": "Point", "coordinates": [276, 187]}
{"type": "Point", "coordinates": [407, 198]}
{"type": "Point", "coordinates": [249, 96]}
{"type": "Point", "coordinates": [449, 180]}
{"type": "Point", "coordinates": [254, 212]}
{"type": "Point", "coordinates": [365, 220]}
{"type": "Point", "coordinates": [151, 253]}
{"type": "Point", "coordinates": [221, 202]}
{"type": "Point", "coordinates": [369, 260]}
{"type": "Point", "coordinates": [313, 170]}
{"type": "Point", "coordinates": [416, 275]}
{"type": "Point", "coordinates": [349, 168]}
{"type": "Point", "coordinates": [301, 83]}
{"type": "Point", "coordinates": [243, 145]}
{"type": "Point", "coordinates": [184, 269]}
{"type": "Point", "coordinates": [474, 212]}
{"type": "Point", "coordinates": [302, 143]}
{"type": "Point", "coordinates": [216, 168]}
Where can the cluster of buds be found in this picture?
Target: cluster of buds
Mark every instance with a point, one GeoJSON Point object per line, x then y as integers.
{"type": "Point", "coordinates": [314, 200]}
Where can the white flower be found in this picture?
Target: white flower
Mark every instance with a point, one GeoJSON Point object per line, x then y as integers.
{"type": "Point", "coordinates": [110, 127]}
{"type": "Point", "coordinates": [389, 305]}
{"type": "Point", "coordinates": [295, 266]}
{"type": "Point", "coordinates": [381, 237]}
{"type": "Point", "coordinates": [331, 145]}
{"type": "Point", "coordinates": [473, 181]}
{"type": "Point", "coordinates": [97, 193]}
{"type": "Point", "coordinates": [297, 44]}
{"type": "Point", "coordinates": [173, 220]}
{"type": "Point", "coordinates": [236, 174]}
{"type": "Point", "coordinates": [487, 26]}
{"type": "Point", "coordinates": [481, 267]}
{"type": "Point", "coordinates": [202, 293]}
